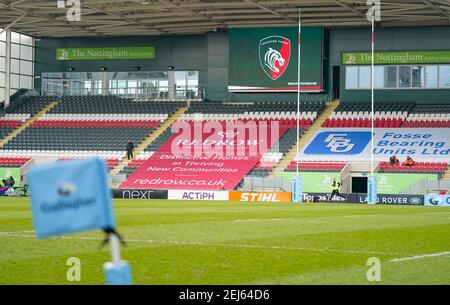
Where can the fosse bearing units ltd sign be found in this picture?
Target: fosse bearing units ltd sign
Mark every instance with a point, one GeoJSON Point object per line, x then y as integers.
{"type": "Point", "coordinates": [198, 195]}
{"type": "Point", "coordinates": [346, 144]}
{"type": "Point", "coordinates": [260, 196]}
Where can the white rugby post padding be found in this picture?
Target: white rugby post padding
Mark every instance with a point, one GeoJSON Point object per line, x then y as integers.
{"type": "Point", "coordinates": [371, 182]}
{"type": "Point", "coordinates": [297, 192]}
{"type": "Point", "coordinates": [117, 272]}
{"type": "Point", "coordinates": [115, 248]}
{"type": "Point", "coordinates": [298, 85]}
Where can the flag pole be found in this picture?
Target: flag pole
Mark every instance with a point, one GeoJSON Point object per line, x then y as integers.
{"type": "Point", "coordinates": [372, 93]}
{"type": "Point", "coordinates": [298, 87]}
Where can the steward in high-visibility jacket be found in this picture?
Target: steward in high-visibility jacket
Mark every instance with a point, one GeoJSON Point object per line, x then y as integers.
{"type": "Point", "coordinates": [335, 187]}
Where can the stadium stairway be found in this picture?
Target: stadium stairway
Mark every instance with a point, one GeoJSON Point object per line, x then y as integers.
{"type": "Point", "coordinates": [446, 175]}
{"type": "Point", "coordinates": [28, 123]}
{"type": "Point", "coordinates": [147, 141]}
{"type": "Point", "coordinates": [305, 138]}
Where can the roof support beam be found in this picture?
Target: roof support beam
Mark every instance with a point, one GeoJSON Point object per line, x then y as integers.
{"type": "Point", "coordinates": [29, 12]}
{"type": "Point", "coordinates": [266, 9]}
{"type": "Point", "coordinates": [437, 9]}
{"type": "Point", "coordinates": [124, 18]}
{"type": "Point", "coordinates": [352, 9]}
{"type": "Point", "coordinates": [177, 5]}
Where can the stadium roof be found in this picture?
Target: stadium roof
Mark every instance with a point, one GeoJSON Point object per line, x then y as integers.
{"type": "Point", "coordinates": [42, 18]}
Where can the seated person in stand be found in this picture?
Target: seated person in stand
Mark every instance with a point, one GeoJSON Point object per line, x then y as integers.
{"type": "Point", "coordinates": [11, 181]}
{"type": "Point", "coordinates": [409, 161]}
{"type": "Point", "coordinates": [394, 161]}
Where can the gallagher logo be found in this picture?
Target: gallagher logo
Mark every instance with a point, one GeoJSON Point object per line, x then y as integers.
{"type": "Point", "coordinates": [274, 55]}
{"type": "Point", "coordinates": [66, 189]}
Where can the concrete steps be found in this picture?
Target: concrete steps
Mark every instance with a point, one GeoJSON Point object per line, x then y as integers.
{"type": "Point", "coordinates": [304, 139]}
{"type": "Point", "coordinates": [27, 123]}
{"type": "Point", "coordinates": [148, 140]}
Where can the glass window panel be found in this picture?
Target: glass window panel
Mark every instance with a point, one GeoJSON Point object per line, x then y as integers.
{"type": "Point", "coordinates": [15, 66]}
{"type": "Point", "coordinates": [26, 82]}
{"type": "Point", "coordinates": [404, 76]}
{"type": "Point", "coordinates": [52, 75]}
{"type": "Point", "coordinates": [26, 52]}
{"type": "Point", "coordinates": [15, 37]}
{"type": "Point", "coordinates": [158, 75]}
{"type": "Point", "coordinates": [121, 84]}
{"type": "Point", "coordinates": [2, 35]}
{"type": "Point", "coordinates": [378, 77]}
{"type": "Point", "coordinates": [431, 80]}
{"type": "Point", "coordinates": [2, 48]}
{"type": "Point", "coordinates": [418, 76]}
{"type": "Point", "coordinates": [193, 74]}
{"type": "Point", "coordinates": [132, 84]}
{"type": "Point", "coordinates": [2, 94]}
{"type": "Point", "coordinates": [351, 77]}
{"type": "Point", "coordinates": [2, 64]}
{"type": "Point", "coordinates": [24, 39]}
{"type": "Point", "coordinates": [15, 81]}
{"type": "Point", "coordinates": [15, 50]}
{"type": "Point", "coordinates": [163, 85]}
{"type": "Point", "coordinates": [193, 82]}
{"type": "Point", "coordinates": [112, 84]}
{"type": "Point", "coordinates": [364, 77]}
{"type": "Point", "coordinates": [390, 77]}
{"type": "Point", "coordinates": [26, 67]}
{"type": "Point", "coordinates": [2, 79]}
{"type": "Point", "coordinates": [444, 76]}
{"type": "Point", "coordinates": [12, 91]}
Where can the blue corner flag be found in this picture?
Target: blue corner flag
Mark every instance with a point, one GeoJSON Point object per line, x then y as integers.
{"type": "Point", "coordinates": [70, 196]}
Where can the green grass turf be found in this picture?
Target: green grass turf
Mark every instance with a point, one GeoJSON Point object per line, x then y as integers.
{"type": "Point", "coordinates": [182, 242]}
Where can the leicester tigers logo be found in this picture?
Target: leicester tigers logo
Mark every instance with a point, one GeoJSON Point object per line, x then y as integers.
{"type": "Point", "coordinates": [274, 55]}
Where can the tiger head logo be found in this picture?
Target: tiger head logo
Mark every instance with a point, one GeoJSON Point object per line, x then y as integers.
{"type": "Point", "coordinates": [274, 60]}
{"type": "Point", "coordinates": [274, 55]}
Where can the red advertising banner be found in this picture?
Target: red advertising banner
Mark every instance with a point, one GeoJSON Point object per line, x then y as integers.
{"type": "Point", "coordinates": [206, 155]}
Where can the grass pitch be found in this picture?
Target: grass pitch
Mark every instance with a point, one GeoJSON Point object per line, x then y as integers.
{"type": "Point", "coordinates": [189, 242]}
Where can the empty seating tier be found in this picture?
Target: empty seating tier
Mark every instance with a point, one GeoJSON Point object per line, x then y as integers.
{"type": "Point", "coordinates": [316, 166]}
{"type": "Point", "coordinates": [74, 138]}
{"type": "Point", "coordinates": [258, 107]}
{"type": "Point", "coordinates": [112, 104]}
{"type": "Point", "coordinates": [359, 115]}
{"type": "Point", "coordinates": [429, 116]}
{"type": "Point", "coordinates": [34, 104]}
{"type": "Point", "coordinates": [378, 106]}
{"type": "Point", "coordinates": [19, 161]}
{"type": "Point", "coordinates": [95, 123]}
{"type": "Point", "coordinates": [4, 131]}
{"type": "Point", "coordinates": [389, 115]}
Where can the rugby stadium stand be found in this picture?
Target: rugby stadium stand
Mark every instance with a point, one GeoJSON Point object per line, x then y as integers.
{"type": "Point", "coordinates": [282, 112]}
{"type": "Point", "coordinates": [79, 127]}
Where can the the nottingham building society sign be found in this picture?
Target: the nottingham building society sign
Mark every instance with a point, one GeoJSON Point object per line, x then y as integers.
{"type": "Point", "coordinates": [396, 58]}
{"type": "Point", "coordinates": [105, 53]}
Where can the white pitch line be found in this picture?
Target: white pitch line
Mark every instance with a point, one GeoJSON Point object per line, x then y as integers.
{"type": "Point", "coordinates": [411, 258]}
{"type": "Point", "coordinates": [13, 233]}
{"type": "Point", "coordinates": [267, 219]}
{"type": "Point", "coordinates": [363, 215]}
{"type": "Point", "coordinates": [200, 244]}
